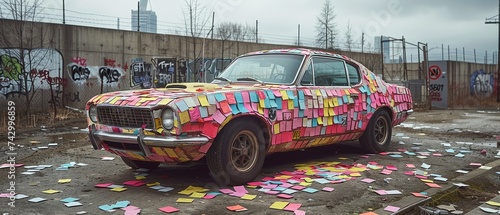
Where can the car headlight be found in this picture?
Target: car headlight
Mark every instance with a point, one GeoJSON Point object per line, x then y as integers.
{"type": "Point", "coordinates": [92, 114]}
{"type": "Point", "coordinates": [167, 118]}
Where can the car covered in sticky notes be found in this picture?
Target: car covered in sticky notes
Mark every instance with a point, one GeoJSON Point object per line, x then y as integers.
{"type": "Point", "coordinates": [263, 102]}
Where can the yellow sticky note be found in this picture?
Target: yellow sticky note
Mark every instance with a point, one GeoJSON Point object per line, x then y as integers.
{"type": "Point", "coordinates": [203, 101]}
{"type": "Point", "coordinates": [153, 184]}
{"type": "Point", "coordinates": [164, 101]}
{"type": "Point", "coordinates": [184, 117]}
{"type": "Point", "coordinates": [492, 203]}
{"type": "Point", "coordinates": [248, 197]}
{"type": "Point", "coordinates": [308, 180]}
{"type": "Point", "coordinates": [197, 195]}
{"type": "Point", "coordinates": [64, 181]}
{"type": "Point", "coordinates": [290, 105]}
{"type": "Point", "coordinates": [140, 177]}
{"type": "Point", "coordinates": [318, 92]}
{"type": "Point", "coordinates": [51, 191]}
{"type": "Point", "coordinates": [427, 181]}
{"type": "Point", "coordinates": [119, 189]}
{"type": "Point", "coordinates": [184, 200]}
{"type": "Point", "coordinates": [262, 104]}
{"type": "Point", "coordinates": [347, 92]}
{"type": "Point", "coordinates": [276, 128]}
{"type": "Point", "coordinates": [355, 174]}
{"type": "Point", "coordinates": [284, 95]}
{"type": "Point", "coordinates": [325, 111]}
{"type": "Point", "coordinates": [343, 158]}
{"type": "Point", "coordinates": [260, 109]}
{"type": "Point", "coordinates": [305, 184]}
{"type": "Point", "coordinates": [279, 205]}
{"type": "Point", "coordinates": [320, 120]}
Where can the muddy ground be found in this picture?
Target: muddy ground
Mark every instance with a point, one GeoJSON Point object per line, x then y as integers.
{"type": "Point", "coordinates": [474, 133]}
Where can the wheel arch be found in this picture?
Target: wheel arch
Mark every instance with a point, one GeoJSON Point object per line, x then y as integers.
{"type": "Point", "coordinates": [259, 120]}
{"type": "Point", "coordinates": [389, 111]}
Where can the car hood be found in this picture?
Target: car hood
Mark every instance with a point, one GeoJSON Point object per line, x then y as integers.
{"type": "Point", "coordinates": [162, 96]}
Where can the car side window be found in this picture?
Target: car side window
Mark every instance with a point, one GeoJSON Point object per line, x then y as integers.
{"type": "Point", "coordinates": [329, 72]}
{"type": "Point", "coordinates": [307, 79]}
{"type": "Point", "coordinates": [353, 74]}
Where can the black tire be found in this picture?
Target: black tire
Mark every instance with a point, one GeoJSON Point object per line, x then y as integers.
{"type": "Point", "coordinates": [237, 154]}
{"type": "Point", "coordinates": [378, 133]}
{"type": "Point", "coordinates": [140, 164]}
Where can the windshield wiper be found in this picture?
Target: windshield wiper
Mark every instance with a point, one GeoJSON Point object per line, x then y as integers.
{"type": "Point", "coordinates": [222, 79]}
{"type": "Point", "coordinates": [250, 79]}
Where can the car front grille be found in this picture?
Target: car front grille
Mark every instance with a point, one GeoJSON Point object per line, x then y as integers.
{"type": "Point", "coordinates": [125, 117]}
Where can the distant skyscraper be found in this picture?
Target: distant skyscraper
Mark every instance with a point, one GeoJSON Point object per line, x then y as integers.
{"type": "Point", "coordinates": [147, 18]}
{"type": "Point", "coordinates": [386, 47]}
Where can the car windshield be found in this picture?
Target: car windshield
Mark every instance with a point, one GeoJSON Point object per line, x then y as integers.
{"type": "Point", "coordinates": [265, 68]}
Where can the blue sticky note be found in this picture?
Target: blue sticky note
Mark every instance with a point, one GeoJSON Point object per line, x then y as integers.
{"type": "Point", "coordinates": [296, 103]}
{"type": "Point", "coordinates": [301, 95]}
{"type": "Point", "coordinates": [267, 103]}
{"type": "Point", "coordinates": [340, 101]}
{"type": "Point", "coordinates": [182, 105]}
{"type": "Point", "coordinates": [396, 156]}
{"type": "Point", "coordinates": [234, 109]}
{"type": "Point", "coordinates": [220, 97]}
{"type": "Point", "coordinates": [314, 122]}
{"type": "Point", "coordinates": [273, 104]}
{"type": "Point", "coordinates": [360, 124]}
{"type": "Point", "coordinates": [279, 188]}
{"type": "Point", "coordinates": [203, 112]}
{"type": "Point", "coordinates": [310, 190]}
{"type": "Point", "coordinates": [254, 97]}
{"type": "Point", "coordinates": [302, 104]}
{"type": "Point", "coordinates": [290, 94]}
{"type": "Point", "coordinates": [337, 120]}
{"type": "Point", "coordinates": [279, 103]}
{"type": "Point", "coordinates": [242, 108]}
{"type": "Point", "coordinates": [276, 182]}
{"type": "Point", "coordinates": [355, 117]}
{"type": "Point", "coordinates": [121, 204]}
{"type": "Point", "coordinates": [270, 94]}
{"type": "Point", "coordinates": [238, 97]}
{"type": "Point", "coordinates": [106, 207]}
{"type": "Point", "coordinates": [211, 99]}
{"type": "Point", "coordinates": [69, 199]}
{"type": "Point", "coordinates": [345, 98]}
{"type": "Point", "coordinates": [301, 113]}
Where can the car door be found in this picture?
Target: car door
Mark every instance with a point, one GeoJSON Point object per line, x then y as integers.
{"type": "Point", "coordinates": [330, 87]}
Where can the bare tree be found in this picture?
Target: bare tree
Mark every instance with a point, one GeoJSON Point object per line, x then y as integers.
{"type": "Point", "coordinates": [196, 18]}
{"type": "Point", "coordinates": [225, 32]}
{"type": "Point", "coordinates": [325, 26]}
{"type": "Point", "coordinates": [348, 36]}
{"type": "Point", "coordinates": [21, 34]}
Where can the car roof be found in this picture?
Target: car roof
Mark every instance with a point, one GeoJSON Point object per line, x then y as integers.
{"type": "Point", "coordinates": [300, 51]}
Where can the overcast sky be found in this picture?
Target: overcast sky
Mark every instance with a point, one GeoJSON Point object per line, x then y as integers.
{"type": "Point", "coordinates": [457, 23]}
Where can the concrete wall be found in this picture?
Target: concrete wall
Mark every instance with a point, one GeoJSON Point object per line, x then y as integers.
{"type": "Point", "coordinates": [89, 61]}
{"type": "Point", "coordinates": [469, 84]}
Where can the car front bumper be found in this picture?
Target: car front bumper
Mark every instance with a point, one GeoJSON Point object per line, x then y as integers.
{"type": "Point", "coordinates": [145, 142]}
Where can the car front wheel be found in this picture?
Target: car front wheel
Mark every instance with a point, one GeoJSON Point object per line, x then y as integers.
{"type": "Point", "coordinates": [237, 154]}
{"type": "Point", "coordinates": [377, 136]}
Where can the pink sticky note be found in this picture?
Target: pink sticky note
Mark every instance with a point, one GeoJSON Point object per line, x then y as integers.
{"type": "Point", "coordinates": [386, 172]}
{"type": "Point", "coordinates": [328, 189]}
{"type": "Point", "coordinates": [272, 192]}
{"type": "Point", "coordinates": [381, 192]}
{"type": "Point", "coordinates": [299, 212]}
{"type": "Point", "coordinates": [168, 209]}
{"type": "Point", "coordinates": [367, 180]}
{"type": "Point", "coordinates": [240, 189]}
{"type": "Point", "coordinates": [410, 165]}
{"type": "Point", "coordinates": [391, 209]}
{"type": "Point", "coordinates": [209, 196]}
{"type": "Point", "coordinates": [475, 164]}
{"type": "Point", "coordinates": [392, 168]}
{"type": "Point", "coordinates": [237, 194]}
{"type": "Point", "coordinates": [104, 185]}
{"type": "Point", "coordinates": [285, 196]}
{"type": "Point", "coordinates": [292, 207]}
{"type": "Point", "coordinates": [226, 191]}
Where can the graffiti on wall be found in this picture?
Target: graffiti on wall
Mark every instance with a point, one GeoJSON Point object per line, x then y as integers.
{"type": "Point", "coordinates": [165, 71]}
{"type": "Point", "coordinates": [213, 68]}
{"type": "Point", "coordinates": [481, 84]}
{"type": "Point", "coordinates": [38, 72]}
{"type": "Point", "coordinates": [140, 73]}
{"type": "Point", "coordinates": [109, 74]}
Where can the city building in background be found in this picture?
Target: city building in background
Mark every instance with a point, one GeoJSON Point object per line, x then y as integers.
{"type": "Point", "coordinates": [147, 18]}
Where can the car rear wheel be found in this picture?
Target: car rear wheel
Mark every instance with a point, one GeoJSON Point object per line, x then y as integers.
{"type": "Point", "coordinates": [140, 164]}
{"type": "Point", "coordinates": [377, 136]}
{"type": "Point", "coordinates": [237, 154]}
